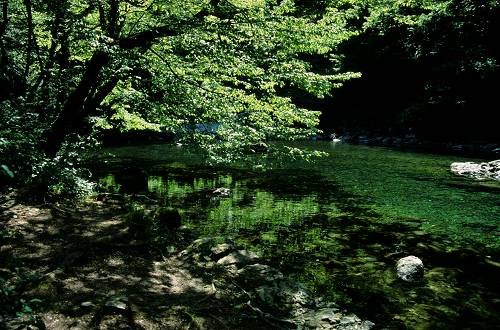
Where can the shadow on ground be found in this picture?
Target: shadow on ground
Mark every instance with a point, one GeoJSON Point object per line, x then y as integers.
{"type": "Point", "coordinates": [85, 272]}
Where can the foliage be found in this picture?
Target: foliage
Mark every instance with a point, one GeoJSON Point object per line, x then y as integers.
{"type": "Point", "coordinates": [73, 67]}
{"type": "Point", "coordinates": [139, 222]}
{"type": "Point", "coordinates": [12, 304]}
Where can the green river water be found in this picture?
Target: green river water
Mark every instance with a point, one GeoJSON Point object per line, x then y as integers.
{"type": "Point", "coordinates": [340, 224]}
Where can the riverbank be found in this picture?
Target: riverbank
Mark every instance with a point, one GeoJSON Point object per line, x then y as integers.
{"type": "Point", "coordinates": [410, 142]}
{"type": "Point", "coordinates": [69, 267]}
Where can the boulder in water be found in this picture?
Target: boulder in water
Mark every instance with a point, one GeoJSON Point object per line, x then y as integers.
{"type": "Point", "coordinates": [477, 171]}
{"type": "Point", "coordinates": [410, 269]}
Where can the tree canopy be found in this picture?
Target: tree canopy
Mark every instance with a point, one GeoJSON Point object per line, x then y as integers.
{"type": "Point", "coordinates": [171, 64]}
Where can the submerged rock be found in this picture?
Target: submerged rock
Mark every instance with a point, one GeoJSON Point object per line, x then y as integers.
{"type": "Point", "coordinates": [477, 171]}
{"type": "Point", "coordinates": [410, 269]}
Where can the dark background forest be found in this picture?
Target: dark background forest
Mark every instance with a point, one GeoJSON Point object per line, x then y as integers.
{"type": "Point", "coordinates": [437, 79]}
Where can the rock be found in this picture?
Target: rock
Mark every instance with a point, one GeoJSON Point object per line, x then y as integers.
{"type": "Point", "coordinates": [325, 318]}
{"type": "Point", "coordinates": [210, 248]}
{"type": "Point", "coordinates": [46, 289]}
{"type": "Point", "coordinates": [167, 218]}
{"type": "Point", "coordinates": [239, 257]}
{"type": "Point", "coordinates": [410, 269]}
{"type": "Point", "coordinates": [477, 171]}
{"type": "Point", "coordinates": [222, 250]}
{"type": "Point", "coordinates": [267, 294]}
{"type": "Point", "coordinates": [331, 318]}
{"type": "Point", "coordinates": [285, 293]}
{"type": "Point", "coordinates": [258, 273]}
{"type": "Point", "coordinates": [285, 297]}
{"type": "Point", "coordinates": [117, 304]}
{"type": "Point", "coordinates": [222, 192]}
{"type": "Point", "coordinates": [352, 322]}
{"type": "Point", "coordinates": [198, 246]}
{"type": "Point", "coordinates": [293, 293]}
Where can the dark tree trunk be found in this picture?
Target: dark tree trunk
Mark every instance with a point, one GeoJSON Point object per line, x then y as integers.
{"type": "Point", "coordinates": [29, 45]}
{"type": "Point", "coordinates": [75, 110]}
{"type": "Point", "coordinates": [100, 94]}
{"type": "Point", "coordinates": [113, 18]}
{"type": "Point", "coordinates": [3, 28]}
{"type": "Point", "coordinates": [90, 92]}
{"type": "Point", "coordinates": [102, 16]}
{"type": "Point", "coordinates": [58, 32]}
{"type": "Point", "coordinates": [4, 58]}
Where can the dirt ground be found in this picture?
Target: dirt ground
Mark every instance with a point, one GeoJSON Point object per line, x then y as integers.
{"type": "Point", "coordinates": [84, 272]}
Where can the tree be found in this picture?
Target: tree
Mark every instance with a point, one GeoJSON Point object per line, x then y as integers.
{"type": "Point", "coordinates": [73, 65]}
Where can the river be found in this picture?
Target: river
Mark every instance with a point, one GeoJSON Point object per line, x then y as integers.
{"type": "Point", "coordinates": [340, 224]}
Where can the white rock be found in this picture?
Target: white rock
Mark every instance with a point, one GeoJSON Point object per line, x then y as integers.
{"type": "Point", "coordinates": [240, 257]}
{"type": "Point", "coordinates": [477, 171]}
{"type": "Point", "coordinates": [223, 192]}
{"type": "Point", "coordinates": [410, 269]}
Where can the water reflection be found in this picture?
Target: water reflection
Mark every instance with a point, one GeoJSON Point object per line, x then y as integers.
{"type": "Point", "coordinates": [341, 242]}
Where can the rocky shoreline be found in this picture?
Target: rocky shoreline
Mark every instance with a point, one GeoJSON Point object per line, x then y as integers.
{"type": "Point", "coordinates": [411, 142]}
{"type": "Point", "coordinates": [270, 294]}
{"type": "Point", "coordinates": [90, 273]}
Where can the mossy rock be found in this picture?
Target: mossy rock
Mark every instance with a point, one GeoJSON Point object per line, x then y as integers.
{"type": "Point", "coordinates": [46, 290]}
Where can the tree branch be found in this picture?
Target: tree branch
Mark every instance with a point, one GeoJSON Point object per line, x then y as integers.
{"type": "Point", "coordinates": [144, 38]}
{"type": "Point", "coordinates": [73, 111]}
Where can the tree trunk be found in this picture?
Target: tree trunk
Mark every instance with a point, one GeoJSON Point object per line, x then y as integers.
{"type": "Point", "coordinates": [29, 45]}
{"type": "Point", "coordinates": [3, 29]}
{"type": "Point", "coordinates": [4, 58]}
{"type": "Point", "coordinates": [113, 18]}
{"type": "Point", "coordinates": [74, 110]}
{"type": "Point", "coordinates": [100, 94]}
